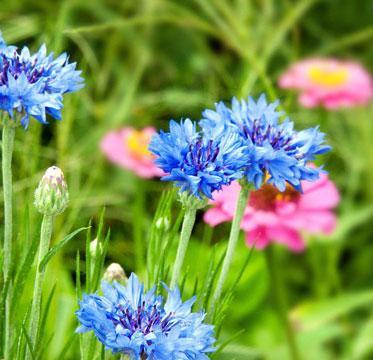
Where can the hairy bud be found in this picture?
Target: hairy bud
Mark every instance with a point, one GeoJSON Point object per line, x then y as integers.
{"type": "Point", "coordinates": [51, 195]}
{"type": "Point", "coordinates": [115, 272]}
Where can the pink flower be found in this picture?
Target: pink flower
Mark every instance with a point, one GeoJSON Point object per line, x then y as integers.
{"type": "Point", "coordinates": [331, 83]}
{"type": "Point", "coordinates": [128, 148]}
{"type": "Point", "coordinates": [282, 217]}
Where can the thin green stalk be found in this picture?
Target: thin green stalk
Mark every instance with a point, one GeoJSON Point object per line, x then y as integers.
{"type": "Point", "coordinates": [45, 237]}
{"type": "Point", "coordinates": [138, 211]}
{"type": "Point", "coordinates": [279, 295]}
{"type": "Point", "coordinates": [7, 152]}
{"type": "Point", "coordinates": [186, 231]}
{"type": "Point", "coordinates": [232, 242]}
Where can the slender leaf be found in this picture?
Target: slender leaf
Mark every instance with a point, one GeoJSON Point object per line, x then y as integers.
{"type": "Point", "coordinates": [53, 250]}
{"type": "Point", "coordinates": [28, 342]}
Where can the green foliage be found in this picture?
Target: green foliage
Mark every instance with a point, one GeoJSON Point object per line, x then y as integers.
{"type": "Point", "coordinates": [94, 267]}
{"type": "Point", "coordinates": [146, 62]}
{"type": "Point", "coordinates": [53, 251]}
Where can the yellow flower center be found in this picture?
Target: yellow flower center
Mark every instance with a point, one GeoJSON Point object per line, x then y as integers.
{"type": "Point", "coordinates": [328, 76]}
{"type": "Point", "coordinates": [266, 197]}
{"type": "Point", "coordinates": [137, 143]}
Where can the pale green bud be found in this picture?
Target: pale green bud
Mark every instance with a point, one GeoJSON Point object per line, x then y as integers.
{"type": "Point", "coordinates": [115, 272]}
{"type": "Point", "coordinates": [93, 247]}
{"type": "Point", "coordinates": [51, 195]}
{"type": "Point", "coordinates": [162, 223]}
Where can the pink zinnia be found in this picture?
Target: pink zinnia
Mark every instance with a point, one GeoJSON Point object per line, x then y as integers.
{"type": "Point", "coordinates": [331, 83]}
{"type": "Point", "coordinates": [128, 148]}
{"type": "Point", "coordinates": [282, 217]}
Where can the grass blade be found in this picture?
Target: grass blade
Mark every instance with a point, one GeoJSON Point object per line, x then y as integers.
{"type": "Point", "coordinates": [53, 250]}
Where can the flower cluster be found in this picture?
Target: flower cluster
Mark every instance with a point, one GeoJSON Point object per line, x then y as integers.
{"type": "Point", "coordinates": [140, 324]}
{"type": "Point", "coordinates": [198, 162]}
{"type": "Point", "coordinates": [281, 217]}
{"type": "Point", "coordinates": [332, 83]}
{"type": "Point", "coordinates": [277, 154]}
{"type": "Point", "coordinates": [33, 85]}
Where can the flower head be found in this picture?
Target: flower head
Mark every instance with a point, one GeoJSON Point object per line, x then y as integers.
{"type": "Point", "coordinates": [52, 196]}
{"type": "Point", "coordinates": [128, 148]}
{"type": "Point", "coordinates": [130, 321]}
{"type": "Point", "coordinates": [331, 83]}
{"type": "Point", "coordinates": [34, 84]}
{"type": "Point", "coordinates": [199, 163]}
{"type": "Point", "coordinates": [282, 217]}
{"type": "Point", "coordinates": [276, 152]}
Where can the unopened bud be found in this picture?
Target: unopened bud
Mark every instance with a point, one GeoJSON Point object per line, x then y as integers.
{"type": "Point", "coordinates": [93, 247]}
{"type": "Point", "coordinates": [115, 272]}
{"type": "Point", "coordinates": [51, 195]}
{"type": "Point", "coordinates": [162, 223]}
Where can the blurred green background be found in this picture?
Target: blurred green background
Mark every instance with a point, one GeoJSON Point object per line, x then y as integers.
{"type": "Point", "coordinates": [146, 62]}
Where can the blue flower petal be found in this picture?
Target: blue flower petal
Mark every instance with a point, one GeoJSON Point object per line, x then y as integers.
{"type": "Point", "coordinates": [199, 162]}
{"type": "Point", "coordinates": [130, 321]}
{"type": "Point", "coordinates": [33, 85]}
{"type": "Point", "coordinates": [275, 151]}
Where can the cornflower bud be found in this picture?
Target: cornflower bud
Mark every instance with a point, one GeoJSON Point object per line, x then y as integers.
{"type": "Point", "coordinates": [93, 247]}
{"type": "Point", "coordinates": [51, 195]}
{"type": "Point", "coordinates": [115, 272]}
{"type": "Point", "coordinates": [163, 223]}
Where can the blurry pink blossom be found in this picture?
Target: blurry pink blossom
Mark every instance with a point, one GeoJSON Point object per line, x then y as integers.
{"type": "Point", "coordinates": [331, 83]}
{"type": "Point", "coordinates": [281, 217]}
{"type": "Point", "coordinates": [128, 148]}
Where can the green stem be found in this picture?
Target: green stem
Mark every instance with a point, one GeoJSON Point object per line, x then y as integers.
{"type": "Point", "coordinates": [7, 152]}
{"type": "Point", "coordinates": [280, 298]}
{"type": "Point", "coordinates": [45, 237]}
{"type": "Point", "coordinates": [138, 211]}
{"type": "Point", "coordinates": [232, 242]}
{"type": "Point", "coordinates": [186, 231]}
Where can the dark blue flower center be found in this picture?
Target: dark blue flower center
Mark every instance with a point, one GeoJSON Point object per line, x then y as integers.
{"type": "Point", "coordinates": [199, 155]}
{"type": "Point", "coordinates": [143, 319]}
{"type": "Point", "coordinates": [16, 67]}
{"type": "Point", "coordinates": [272, 134]}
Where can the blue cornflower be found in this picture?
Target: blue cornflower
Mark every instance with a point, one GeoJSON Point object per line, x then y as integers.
{"type": "Point", "coordinates": [276, 151]}
{"type": "Point", "coordinates": [199, 163]}
{"type": "Point", "coordinates": [128, 320]}
{"type": "Point", "coordinates": [33, 85]}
